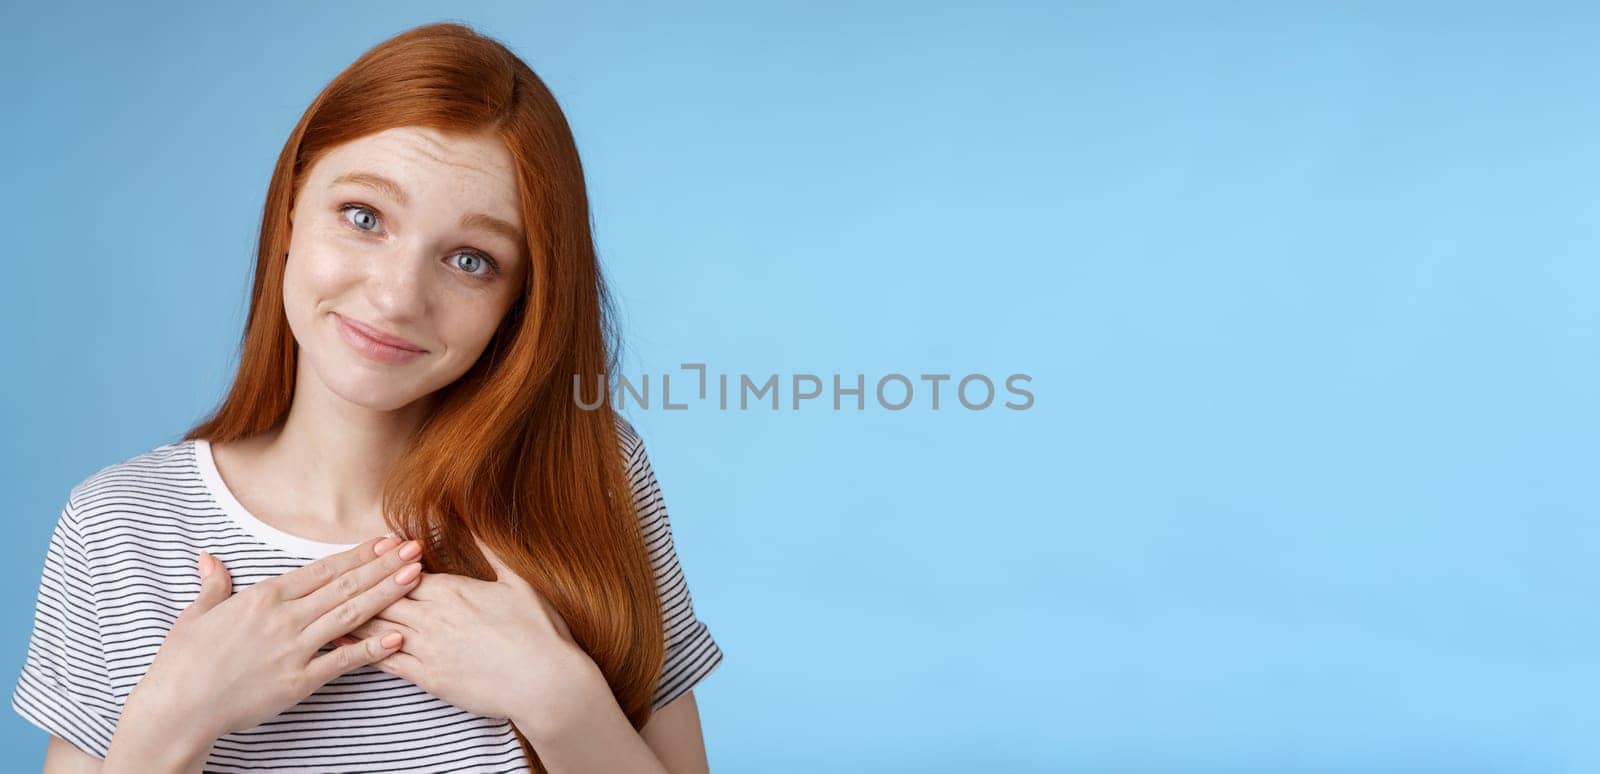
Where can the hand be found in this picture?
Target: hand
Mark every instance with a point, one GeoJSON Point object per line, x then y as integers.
{"type": "Point", "coordinates": [232, 661]}
{"type": "Point", "coordinates": [494, 648]}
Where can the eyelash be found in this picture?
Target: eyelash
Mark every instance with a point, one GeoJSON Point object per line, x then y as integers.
{"type": "Point", "coordinates": [493, 264]}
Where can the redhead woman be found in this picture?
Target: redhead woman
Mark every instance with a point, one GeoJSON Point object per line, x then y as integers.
{"type": "Point", "coordinates": [399, 543]}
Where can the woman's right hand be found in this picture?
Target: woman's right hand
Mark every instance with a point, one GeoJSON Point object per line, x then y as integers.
{"type": "Point", "coordinates": [232, 661]}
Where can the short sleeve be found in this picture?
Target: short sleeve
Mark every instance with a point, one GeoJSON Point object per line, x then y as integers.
{"type": "Point", "coordinates": [692, 654]}
{"type": "Point", "coordinates": [64, 687]}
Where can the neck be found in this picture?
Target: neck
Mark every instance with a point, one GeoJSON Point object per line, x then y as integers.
{"type": "Point", "coordinates": [338, 455]}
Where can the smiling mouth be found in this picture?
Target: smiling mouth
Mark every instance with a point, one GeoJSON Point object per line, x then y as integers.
{"type": "Point", "coordinates": [367, 344]}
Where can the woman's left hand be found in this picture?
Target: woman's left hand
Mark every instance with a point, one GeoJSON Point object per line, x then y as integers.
{"type": "Point", "coordinates": [494, 648]}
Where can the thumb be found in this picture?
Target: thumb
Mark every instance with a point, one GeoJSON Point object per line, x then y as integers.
{"type": "Point", "coordinates": [216, 584]}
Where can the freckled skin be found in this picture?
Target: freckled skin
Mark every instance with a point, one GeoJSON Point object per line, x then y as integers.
{"type": "Point", "coordinates": [399, 268]}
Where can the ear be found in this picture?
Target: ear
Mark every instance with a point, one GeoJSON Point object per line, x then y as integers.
{"type": "Point", "coordinates": [502, 571]}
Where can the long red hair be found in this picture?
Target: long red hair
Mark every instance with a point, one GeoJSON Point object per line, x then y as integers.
{"type": "Point", "coordinates": [506, 455]}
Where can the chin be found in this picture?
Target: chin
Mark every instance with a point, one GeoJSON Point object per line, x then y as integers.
{"type": "Point", "coordinates": [377, 391]}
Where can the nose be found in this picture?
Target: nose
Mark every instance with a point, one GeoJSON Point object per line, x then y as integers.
{"type": "Point", "coordinates": [397, 283]}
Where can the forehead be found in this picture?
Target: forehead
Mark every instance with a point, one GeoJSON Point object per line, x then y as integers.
{"type": "Point", "coordinates": [471, 171]}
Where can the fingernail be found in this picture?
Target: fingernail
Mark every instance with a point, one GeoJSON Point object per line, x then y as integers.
{"type": "Point", "coordinates": [408, 574]}
{"type": "Point", "coordinates": [411, 550]}
{"type": "Point", "coordinates": [390, 640]}
{"type": "Point", "coordinates": [205, 565]}
{"type": "Point", "coordinates": [383, 546]}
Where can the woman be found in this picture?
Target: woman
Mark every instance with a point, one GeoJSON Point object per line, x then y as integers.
{"type": "Point", "coordinates": [399, 544]}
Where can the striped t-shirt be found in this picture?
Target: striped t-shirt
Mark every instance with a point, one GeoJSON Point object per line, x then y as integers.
{"type": "Point", "coordinates": [120, 567]}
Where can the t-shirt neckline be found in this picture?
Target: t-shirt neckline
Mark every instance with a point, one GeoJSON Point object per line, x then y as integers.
{"type": "Point", "coordinates": [230, 505]}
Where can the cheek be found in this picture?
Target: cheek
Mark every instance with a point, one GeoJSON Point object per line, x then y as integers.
{"type": "Point", "coordinates": [471, 332]}
{"type": "Point", "coordinates": [314, 275]}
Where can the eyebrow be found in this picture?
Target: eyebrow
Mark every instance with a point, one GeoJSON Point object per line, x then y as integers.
{"type": "Point", "coordinates": [393, 190]}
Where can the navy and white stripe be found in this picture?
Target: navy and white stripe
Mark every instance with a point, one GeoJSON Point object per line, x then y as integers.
{"type": "Point", "coordinates": [120, 567]}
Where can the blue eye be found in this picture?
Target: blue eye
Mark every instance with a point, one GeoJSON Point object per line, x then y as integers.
{"type": "Point", "coordinates": [476, 261]}
{"type": "Point", "coordinates": [371, 217]}
{"type": "Point", "coordinates": [366, 219]}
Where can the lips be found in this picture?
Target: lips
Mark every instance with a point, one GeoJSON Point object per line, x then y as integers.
{"type": "Point", "coordinates": [371, 347]}
{"type": "Point", "coordinates": [388, 339]}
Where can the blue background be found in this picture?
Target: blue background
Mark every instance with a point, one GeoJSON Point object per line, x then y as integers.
{"type": "Point", "coordinates": [1308, 298]}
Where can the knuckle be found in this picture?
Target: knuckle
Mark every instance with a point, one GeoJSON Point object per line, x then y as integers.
{"type": "Point", "coordinates": [348, 585]}
{"type": "Point", "coordinates": [343, 658]}
{"type": "Point", "coordinates": [271, 588]}
{"type": "Point", "coordinates": [277, 616]}
{"type": "Point", "coordinates": [275, 622]}
{"type": "Point", "coordinates": [283, 631]}
{"type": "Point", "coordinates": [348, 615]}
{"type": "Point", "coordinates": [321, 572]}
{"type": "Point", "coordinates": [258, 604]}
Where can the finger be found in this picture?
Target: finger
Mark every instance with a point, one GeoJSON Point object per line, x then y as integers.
{"type": "Point", "coordinates": [503, 571]}
{"type": "Point", "coordinates": [402, 665]}
{"type": "Point", "coordinates": [378, 625]}
{"type": "Point", "coordinates": [435, 586]}
{"type": "Point", "coordinates": [406, 610]}
{"type": "Point", "coordinates": [302, 581]}
{"type": "Point", "coordinates": [345, 616]}
{"type": "Point", "coordinates": [216, 585]}
{"type": "Point", "coordinates": [354, 582]}
{"type": "Point", "coordinates": [345, 658]}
